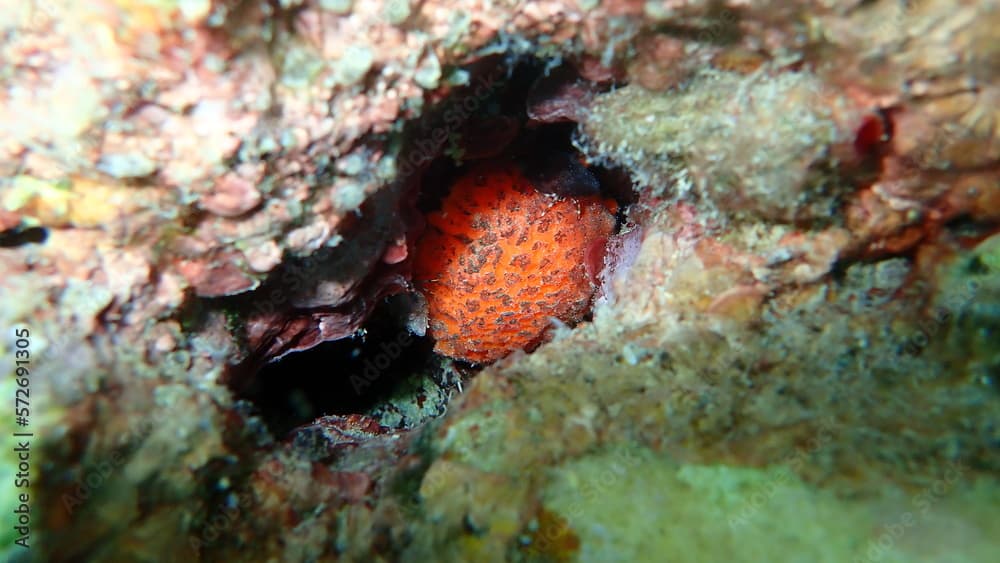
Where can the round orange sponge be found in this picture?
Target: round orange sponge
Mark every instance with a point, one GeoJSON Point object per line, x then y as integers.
{"type": "Point", "coordinates": [500, 259]}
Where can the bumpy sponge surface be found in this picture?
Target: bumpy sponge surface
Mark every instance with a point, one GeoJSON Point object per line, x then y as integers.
{"type": "Point", "coordinates": [500, 259]}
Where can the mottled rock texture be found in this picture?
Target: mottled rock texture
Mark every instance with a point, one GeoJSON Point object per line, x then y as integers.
{"type": "Point", "coordinates": [792, 354]}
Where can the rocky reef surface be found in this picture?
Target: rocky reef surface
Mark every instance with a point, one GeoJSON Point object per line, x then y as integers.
{"type": "Point", "coordinates": [208, 217]}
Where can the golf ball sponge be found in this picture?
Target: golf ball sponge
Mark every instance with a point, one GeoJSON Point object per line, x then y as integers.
{"type": "Point", "coordinates": [499, 260]}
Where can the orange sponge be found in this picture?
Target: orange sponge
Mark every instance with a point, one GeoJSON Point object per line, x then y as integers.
{"type": "Point", "coordinates": [500, 259]}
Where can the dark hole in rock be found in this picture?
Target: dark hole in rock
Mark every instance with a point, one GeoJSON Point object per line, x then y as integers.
{"type": "Point", "coordinates": [22, 236]}
{"type": "Point", "coordinates": [968, 231]}
{"type": "Point", "coordinates": [388, 370]}
{"type": "Point", "coordinates": [350, 376]}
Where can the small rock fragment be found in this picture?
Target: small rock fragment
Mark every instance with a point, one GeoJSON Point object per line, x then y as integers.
{"type": "Point", "coordinates": [560, 96]}
{"type": "Point", "coordinates": [263, 258]}
{"type": "Point", "coordinates": [336, 6]}
{"type": "Point", "coordinates": [348, 196]}
{"type": "Point", "coordinates": [8, 220]}
{"type": "Point", "coordinates": [396, 11]}
{"type": "Point", "coordinates": [354, 65]}
{"type": "Point", "coordinates": [309, 237]}
{"type": "Point", "coordinates": [217, 278]}
{"type": "Point", "coordinates": [231, 196]}
{"type": "Point", "coordinates": [127, 165]}
{"type": "Point", "coordinates": [429, 74]}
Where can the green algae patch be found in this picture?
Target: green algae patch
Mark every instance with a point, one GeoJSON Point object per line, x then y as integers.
{"type": "Point", "coordinates": [473, 515]}
{"type": "Point", "coordinates": [478, 438]}
{"type": "Point", "coordinates": [988, 253]}
{"type": "Point", "coordinates": [759, 146]}
{"type": "Point", "coordinates": [634, 505]}
{"type": "Point", "coordinates": [962, 319]}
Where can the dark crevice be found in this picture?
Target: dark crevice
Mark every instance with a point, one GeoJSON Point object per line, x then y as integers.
{"type": "Point", "coordinates": [344, 377]}
{"type": "Point", "coordinates": [23, 235]}
{"type": "Point", "coordinates": [367, 373]}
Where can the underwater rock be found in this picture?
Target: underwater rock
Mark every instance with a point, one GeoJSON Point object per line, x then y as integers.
{"type": "Point", "coordinates": [793, 326]}
{"type": "Point", "coordinates": [757, 145]}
